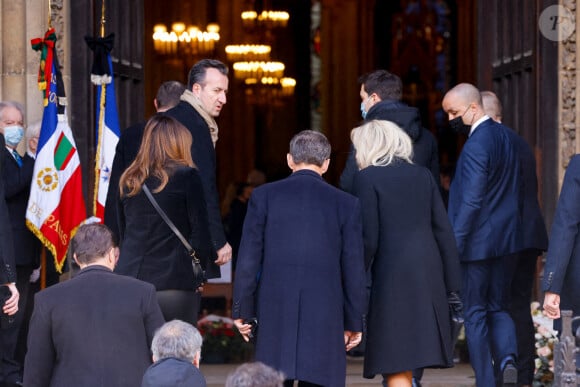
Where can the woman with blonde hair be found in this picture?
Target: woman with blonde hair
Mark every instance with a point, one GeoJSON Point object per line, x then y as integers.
{"type": "Point", "coordinates": [150, 250]}
{"type": "Point", "coordinates": [410, 253]}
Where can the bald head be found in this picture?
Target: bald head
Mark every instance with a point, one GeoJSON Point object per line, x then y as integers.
{"type": "Point", "coordinates": [464, 100]}
{"type": "Point", "coordinates": [491, 105]}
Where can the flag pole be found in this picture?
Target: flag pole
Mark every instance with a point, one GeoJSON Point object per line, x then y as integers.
{"type": "Point", "coordinates": [43, 250]}
{"type": "Point", "coordinates": [103, 21]}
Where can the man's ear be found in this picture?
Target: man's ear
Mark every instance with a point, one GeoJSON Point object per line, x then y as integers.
{"type": "Point", "coordinates": [290, 161]}
{"type": "Point", "coordinates": [324, 166]}
{"type": "Point", "coordinates": [76, 259]}
{"type": "Point", "coordinates": [196, 359]}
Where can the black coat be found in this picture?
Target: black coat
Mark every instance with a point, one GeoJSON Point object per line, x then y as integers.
{"type": "Point", "coordinates": [92, 330]}
{"type": "Point", "coordinates": [203, 154]}
{"type": "Point", "coordinates": [150, 251]}
{"type": "Point", "coordinates": [411, 252]}
{"type": "Point", "coordinates": [425, 151]}
{"type": "Point", "coordinates": [7, 267]}
{"type": "Point", "coordinates": [17, 191]}
{"type": "Point", "coordinates": [126, 151]}
{"type": "Point", "coordinates": [303, 239]}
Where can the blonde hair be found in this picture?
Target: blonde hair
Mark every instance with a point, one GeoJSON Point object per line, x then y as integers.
{"type": "Point", "coordinates": [166, 144]}
{"type": "Point", "coordinates": [379, 142]}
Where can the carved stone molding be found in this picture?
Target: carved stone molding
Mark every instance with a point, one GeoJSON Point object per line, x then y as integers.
{"type": "Point", "coordinates": [58, 16]}
{"type": "Point", "coordinates": [568, 88]}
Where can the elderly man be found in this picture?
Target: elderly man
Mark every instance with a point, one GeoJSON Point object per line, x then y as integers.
{"type": "Point", "coordinates": [96, 328]}
{"type": "Point", "coordinates": [176, 352]}
{"type": "Point", "coordinates": [255, 374]}
{"type": "Point", "coordinates": [484, 210]}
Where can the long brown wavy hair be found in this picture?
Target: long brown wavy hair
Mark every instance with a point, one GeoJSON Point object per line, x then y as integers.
{"type": "Point", "coordinates": [166, 145]}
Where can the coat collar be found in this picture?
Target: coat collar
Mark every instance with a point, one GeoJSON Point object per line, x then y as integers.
{"type": "Point", "coordinates": [306, 172]}
{"type": "Point", "coordinates": [95, 268]}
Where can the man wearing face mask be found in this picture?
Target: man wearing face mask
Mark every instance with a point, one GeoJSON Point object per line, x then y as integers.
{"type": "Point", "coordinates": [485, 209]}
{"type": "Point", "coordinates": [17, 176]}
{"type": "Point", "coordinates": [381, 93]}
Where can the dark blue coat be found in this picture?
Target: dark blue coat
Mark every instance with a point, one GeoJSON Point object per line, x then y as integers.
{"type": "Point", "coordinates": [562, 269]}
{"type": "Point", "coordinates": [486, 194]}
{"type": "Point", "coordinates": [172, 372]}
{"type": "Point", "coordinates": [300, 270]}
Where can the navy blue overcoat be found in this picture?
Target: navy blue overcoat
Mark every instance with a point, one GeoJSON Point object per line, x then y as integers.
{"type": "Point", "coordinates": [300, 270]}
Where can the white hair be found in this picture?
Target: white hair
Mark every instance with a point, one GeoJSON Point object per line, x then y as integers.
{"type": "Point", "coordinates": [379, 142]}
{"type": "Point", "coordinates": [176, 339]}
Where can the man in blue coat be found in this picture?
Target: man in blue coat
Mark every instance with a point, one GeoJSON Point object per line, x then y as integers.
{"type": "Point", "coordinates": [300, 270]}
{"type": "Point", "coordinates": [535, 241]}
{"type": "Point", "coordinates": [485, 201]}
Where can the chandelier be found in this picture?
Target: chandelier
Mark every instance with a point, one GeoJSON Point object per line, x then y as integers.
{"type": "Point", "coordinates": [185, 40]}
{"type": "Point", "coordinates": [261, 77]}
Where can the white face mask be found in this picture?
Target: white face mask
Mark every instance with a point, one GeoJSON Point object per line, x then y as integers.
{"type": "Point", "coordinates": [13, 134]}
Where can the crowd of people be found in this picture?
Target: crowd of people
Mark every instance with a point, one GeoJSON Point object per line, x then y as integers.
{"type": "Point", "coordinates": [384, 265]}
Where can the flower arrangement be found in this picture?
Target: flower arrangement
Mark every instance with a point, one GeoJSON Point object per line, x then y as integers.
{"type": "Point", "coordinates": [546, 338]}
{"type": "Point", "coordinates": [222, 343]}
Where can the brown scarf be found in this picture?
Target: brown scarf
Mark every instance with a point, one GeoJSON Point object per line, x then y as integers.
{"type": "Point", "coordinates": [191, 99]}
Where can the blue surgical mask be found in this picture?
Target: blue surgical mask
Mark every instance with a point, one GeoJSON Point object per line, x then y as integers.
{"type": "Point", "coordinates": [13, 134]}
{"type": "Point", "coordinates": [363, 112]}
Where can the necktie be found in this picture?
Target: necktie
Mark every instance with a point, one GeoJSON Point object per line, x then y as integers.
{"type": "Point", "coordinates": [17, 158]}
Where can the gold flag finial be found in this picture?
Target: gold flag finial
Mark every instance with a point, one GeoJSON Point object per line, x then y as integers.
{"type": "Point", "coordinates": [103, 21]}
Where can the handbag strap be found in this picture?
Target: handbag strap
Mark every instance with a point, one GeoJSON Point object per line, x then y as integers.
{"type": "Point", "coordinates": [168, 221]}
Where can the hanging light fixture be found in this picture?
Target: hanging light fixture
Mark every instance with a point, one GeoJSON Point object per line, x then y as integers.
{"type": "Point", "coordinates": [182, 40]}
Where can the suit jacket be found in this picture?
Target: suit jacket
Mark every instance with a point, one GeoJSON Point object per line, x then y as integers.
{"type": "Point", "coordinates": [203, 154]}
{"type": "Point", "coordinates": [17, 191]}
{"type": "Point", "coordinates": [562, 268]}
{"type": "Point", "coordinates": [126, 151]}
{"type": "Point", "coordinates": [7, 267]}
{"type": "Point", "coordinates": [425, 152]}
{"type": "Point", "coordinates": [93, 330]}
{"type": "Point", "coordinates": [486, 194]}
{"type": "Point", "coordinates": [300, 271]}
{"type": "Point", "coordinates": [150, 251]}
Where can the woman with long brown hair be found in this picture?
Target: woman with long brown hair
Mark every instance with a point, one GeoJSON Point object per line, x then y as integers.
{"type": "Point", "coordinates": [150, 250]}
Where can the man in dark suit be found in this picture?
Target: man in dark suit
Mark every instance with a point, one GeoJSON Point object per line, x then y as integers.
{"type": "Point", "coordinates": [17, 176]}
{"type": "Point", "coordinates": [9, 295]}
{"type": "Point", "coordinates": [485, 201]}
{"type": "Point", "coordinates": [381, 93]}
{"type": "Point", "coordinates": [300, 269]}
{"type": "Point", "coordinates": [562, 269]}
{"type": "Point", "coordinates": [128, 146]}
{"type": "Point", "coordinates": [96, 328]}
{"type": "Point", "coordinates": [535, 241]}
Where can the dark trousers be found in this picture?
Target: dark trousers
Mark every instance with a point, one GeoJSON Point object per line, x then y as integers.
{"type": "Point", "coordinates": [519, 308]}
{"type": "Point", "coordinates": [489, 329]}
{"type": "Point", "coordinates": [10, 366]}
{"type": "Point", "coordinates": [179, 304]}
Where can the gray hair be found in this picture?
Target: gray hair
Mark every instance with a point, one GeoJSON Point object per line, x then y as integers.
{"type": "Point", "coordinates": [198, 71]}
{"type": "Point", "coordinates": [255, 374]}
{"type": "Point", "coordinates": [379, 142]}
{"type": "Point", "coordinates": [33, 130]}
{"type": "Point", "coordinates": [310, 147]}
{"type": "Point", "coordinates": [176, 339]}
{"type": "Point", "coordinates": [13, 104]}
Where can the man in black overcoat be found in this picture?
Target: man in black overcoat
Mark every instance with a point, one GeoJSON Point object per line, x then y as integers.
{"type": "Point", "coordinates": [96, 328]}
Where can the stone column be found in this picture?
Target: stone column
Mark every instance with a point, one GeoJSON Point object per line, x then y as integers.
{"type": "Point", "coordinates": [13, 65]}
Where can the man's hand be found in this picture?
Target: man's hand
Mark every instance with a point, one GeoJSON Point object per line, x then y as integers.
{"type": "Point", "coordinates": [352, 339]}
{"type": "Point", "coordinates": [552, 305]}
{"type": "Point", "coordinates": [245, 329]}
{"type": "Point", "coordinates": [224, 255]}
{"type": "Point", "coordinates": [11, 305]}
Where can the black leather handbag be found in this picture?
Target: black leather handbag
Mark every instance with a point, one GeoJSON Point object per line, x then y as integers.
{"type": "Point", "coordinates": [198, 272]}
{"type": "Point", "coordinates": [455, 314]}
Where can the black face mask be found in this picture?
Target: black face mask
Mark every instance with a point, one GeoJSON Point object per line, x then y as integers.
{"type": "Point", "coordinates": [458, 126]}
